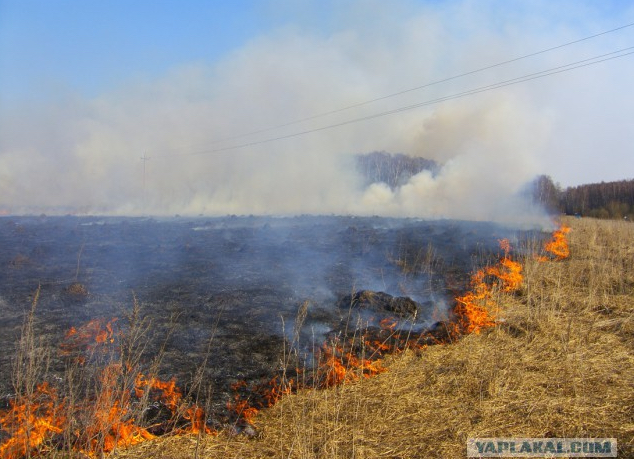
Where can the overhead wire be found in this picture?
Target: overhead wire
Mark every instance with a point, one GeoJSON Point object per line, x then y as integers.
{"type": "Point", "coordinates": [524, 78]}
{"type": "Point", "coordinates": [426, 85]}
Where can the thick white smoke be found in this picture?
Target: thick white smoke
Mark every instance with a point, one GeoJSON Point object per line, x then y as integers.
{"type": "Point", "coordinates": [83, 155]}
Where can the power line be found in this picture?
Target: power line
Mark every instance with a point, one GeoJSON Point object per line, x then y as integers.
{"type": "Point", "coordinates": [416, 88]}
{"type": "Point", "coordinates": [532, 76]}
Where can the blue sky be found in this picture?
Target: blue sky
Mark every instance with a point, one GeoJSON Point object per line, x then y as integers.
{"type": "Point", "coordinates": [91, 46]}
{"type": "Point", "coordinates": [87, 85]}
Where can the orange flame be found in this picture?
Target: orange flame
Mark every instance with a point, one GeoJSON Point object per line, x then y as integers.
{"type": "Point", "coordinates": [558, 245]}
{"type": "Point", "coordinates": [509, 272]}
{"type": "Point", "coordinates": [30, 421]}
{"type": "Point", "coordinates": [378, 347]}
{"type": "Point", "coordinates": [389, 323]}
{"type": "Point", "coordinates": [332, 367]}
{"type": "Point", "coordinates": [106, 421]}
{"type": "Point", "coordinates": [171, 396]}
{"type": "Point", "coordinates": [276, 389]}
{"type": "Point", "coordinates": [168, 392]}
{"type": "Point", "coordinates": [338, 366]}
{"type": "Point", "coordinates": [475, 309]}
{"type": "Point", "coordinates": [196, 416]}
{"type": "Point", "coordinates": [243, 409]}
{"type": "Point", "coordinates": [88, 337]}
{"type": "Point", "coordinates": [112, 424]}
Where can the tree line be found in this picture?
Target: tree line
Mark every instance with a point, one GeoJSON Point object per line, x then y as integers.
{"type": "Point", "coordinates": [598, 200]}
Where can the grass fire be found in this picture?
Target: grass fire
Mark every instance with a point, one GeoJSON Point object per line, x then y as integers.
{"type": "Point", "coordinates": [501, 358]}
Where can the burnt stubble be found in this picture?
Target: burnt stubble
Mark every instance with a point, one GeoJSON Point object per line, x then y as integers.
{"type": "Point", "coordinates": [221, 295]}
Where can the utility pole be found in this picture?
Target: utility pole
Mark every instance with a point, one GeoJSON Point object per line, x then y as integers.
{"type": "Point", "coordinates": [145, 159]}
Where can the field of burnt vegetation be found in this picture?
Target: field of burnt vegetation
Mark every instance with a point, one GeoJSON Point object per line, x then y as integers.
{"type": "Point", "coordinates": [116, 330]}
{"type": "Point", "coordinates": [544, 351]}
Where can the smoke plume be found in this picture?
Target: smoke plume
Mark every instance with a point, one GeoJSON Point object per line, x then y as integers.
{"type": "Point", "coordinates": [81, 154]}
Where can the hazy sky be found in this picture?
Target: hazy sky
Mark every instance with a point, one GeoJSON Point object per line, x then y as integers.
{"type": "Point", "coordinates": [88, 86]}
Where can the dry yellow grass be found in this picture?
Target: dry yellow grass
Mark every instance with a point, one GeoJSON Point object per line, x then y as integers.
{"type": "Point", "coordinates": [560, 364]}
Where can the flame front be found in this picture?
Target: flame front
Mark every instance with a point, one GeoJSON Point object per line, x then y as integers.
{"type": "Point", "coordinates": [102, 422]}
{"type": "Point", "coordinates": [88, 339]}
{"type": "Point", "coordinates": [509, 272]}
{"type": "Point", "coordinates": [558, 245]}
{"type": "Point", "coordinates": [476, 309]}
{"type": "Point", "coordinates": [31, 420]}
{"type": "Point", "coordinates": [338, 366]}
{"type": "Point", "coordinates": [112, 423]}
{"type": "Point", "coordinates": [168, 392]}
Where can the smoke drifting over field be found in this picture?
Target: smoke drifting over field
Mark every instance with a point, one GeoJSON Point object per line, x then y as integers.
{"type": "Point", "coordinates": [79, 154]}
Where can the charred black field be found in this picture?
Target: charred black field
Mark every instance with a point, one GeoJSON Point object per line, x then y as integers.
{"type": "Point", "coordinates": [223, 293]}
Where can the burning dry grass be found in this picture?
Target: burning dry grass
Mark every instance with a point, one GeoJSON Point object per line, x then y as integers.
{"type": "Point", "coordinates": [559, 364]}
{"type": "Point", "coordinates": [545, 350]}
{"type": "Point", "coordinates": [99, 405]}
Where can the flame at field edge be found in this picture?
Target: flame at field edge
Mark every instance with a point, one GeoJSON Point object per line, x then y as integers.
{"type": "Point", "coordinates": [557, 247]}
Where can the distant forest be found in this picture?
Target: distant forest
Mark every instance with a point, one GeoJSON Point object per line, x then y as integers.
{"type": "Point", "coordinates": [392, 169]}
{"type": "Point", "coordinates": [598, 200]}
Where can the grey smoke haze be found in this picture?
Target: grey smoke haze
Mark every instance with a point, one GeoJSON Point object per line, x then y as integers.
{"type": "Point", "coordinates": [82, 154]}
